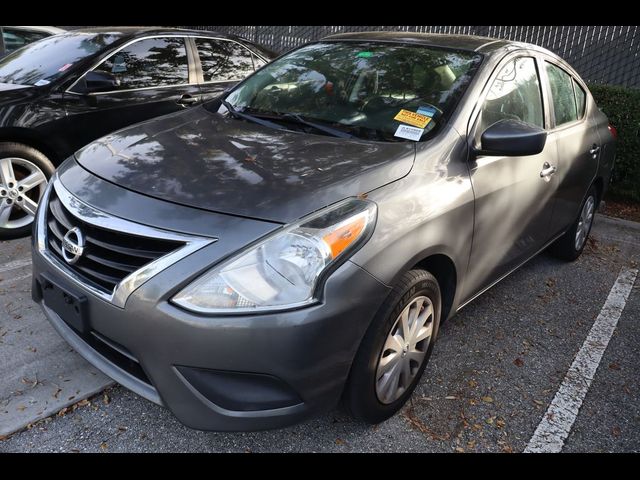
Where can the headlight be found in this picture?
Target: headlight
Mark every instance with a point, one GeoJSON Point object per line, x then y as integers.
{"type": "Point", "coordinates": [283, 270]}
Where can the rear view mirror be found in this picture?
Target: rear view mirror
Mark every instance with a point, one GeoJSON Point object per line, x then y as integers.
{"type": "Point", "coordinates": [512, 138]}
{"type": "Point", "coordinates": [100, 82]}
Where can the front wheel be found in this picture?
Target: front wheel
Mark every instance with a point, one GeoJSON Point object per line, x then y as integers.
{"type": "Point", "coordinates": [395, 349]}
{"type": "Point", "coordinates": [572, 243]}
{"type": "Point", "coordinates": [24, 174]}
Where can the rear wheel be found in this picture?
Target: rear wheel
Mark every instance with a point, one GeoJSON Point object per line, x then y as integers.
{"type": "Point", "coordinates": [572, 243]}
{"type": "Point", "coordinates": [24, 174]}
{"type": "Point", "coordinates": [395, 349]}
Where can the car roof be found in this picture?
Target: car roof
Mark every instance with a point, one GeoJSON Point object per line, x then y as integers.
{"type": "Point", "coordinates": [485, 45]}
{"type": "Point", "coordinates": [39, 28]}
{"type": "Point", "coordinates": [136, 31]}
{"type": "Point", "coordinates": [461, 42]}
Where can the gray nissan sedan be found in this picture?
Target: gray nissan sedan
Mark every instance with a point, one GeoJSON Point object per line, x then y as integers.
{"type": "Point", "coordinates": [250, 262]}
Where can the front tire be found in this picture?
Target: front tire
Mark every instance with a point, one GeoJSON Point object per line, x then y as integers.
{"type": "Point", "coordinates": [572, 243]}
{"type": "Point", "coordinates": [24, 174]}
{"type": "Point", "coordinates": [395, 349]}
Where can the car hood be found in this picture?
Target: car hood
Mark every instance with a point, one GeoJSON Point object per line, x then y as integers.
{"type": "Point", "coordinates": [202, 159]}
{"type": "Point", "coordinates": [10, 92]}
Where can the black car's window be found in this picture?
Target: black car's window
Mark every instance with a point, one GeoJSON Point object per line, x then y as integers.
{"type": "Point", "coordinates": [514, 94]}
{"type": "Point", "coordinates": [223, 60]}
{"type": "Point", "coordinates": [564, 102]}
{"type": "Point", "coordinates": [15, 39]}
{"type": "Point", "coordinates": [151, 62]}
{"type": "Point", "coordinates": [373, 90]}
{"type": "Point", "coordinates": [44, 61]}
{"type": "Point", "coordinates": [258, 62]}
{"type": "Point", "coordinates": [581, 98]}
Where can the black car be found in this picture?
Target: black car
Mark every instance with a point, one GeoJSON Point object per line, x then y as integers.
{"type": "Point", "coordinates": [62, 92]}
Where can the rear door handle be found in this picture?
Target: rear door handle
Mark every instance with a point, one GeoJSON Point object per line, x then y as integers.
{"type": "Point", "coordinates": [187, 100]}
{"type": "Point", "coordinates": [547, 170]}
{"type": "Point", "coordinates": [594, 150]}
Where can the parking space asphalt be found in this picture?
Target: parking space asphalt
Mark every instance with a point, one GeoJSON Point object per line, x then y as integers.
{"type": "Point", "coordinates": [40, 374]}
{"type": "Point", "coordinates": [496, 367]}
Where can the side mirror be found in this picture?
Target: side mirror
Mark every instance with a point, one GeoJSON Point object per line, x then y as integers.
{"type": "Point", "coordinates": [512, 138]}
{"type": "Point", "coordinates": [100, 82]}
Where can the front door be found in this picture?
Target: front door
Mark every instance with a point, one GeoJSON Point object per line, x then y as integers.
{"type": "Point", "coordinates": [513, 195]}
{"type": "Point", "coordinates": [153, 78]}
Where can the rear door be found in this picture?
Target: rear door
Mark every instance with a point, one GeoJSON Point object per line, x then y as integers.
{"type": "Point", "coordinates": [223, 63]}
{"type": "Point", "coordinates": [155, 76]}
{"type": "Point", "coordinates": [577, 140]}
{"type": "Point", "coordinates": [513, 202]}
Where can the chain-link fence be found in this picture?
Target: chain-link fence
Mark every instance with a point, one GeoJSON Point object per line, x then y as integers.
{"type": "Point", "coordinates": [601, 54]}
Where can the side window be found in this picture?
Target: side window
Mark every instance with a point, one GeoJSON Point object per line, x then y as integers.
{"type": "Point", "coordinates": [514, 94]}
{"type": "Point", "coordinates": [223, 61]}
{"type": "Point", "coordinates": [151, 62]}
{"type": "Point", "coordinates": [15, 39]}
{"type": "Point", "coordinates": [564, 102]}
{"type": "Point", "coordinates": [581, 98]}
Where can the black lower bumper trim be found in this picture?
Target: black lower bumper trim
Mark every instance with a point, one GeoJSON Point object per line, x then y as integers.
{"type": "Point", "coordinates": [239, 391]}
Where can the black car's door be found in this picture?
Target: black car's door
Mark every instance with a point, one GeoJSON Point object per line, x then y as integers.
{"type": "Point", "coordinates": [223, 63]}
{"type": "Point", "coordinates": [151, 77]}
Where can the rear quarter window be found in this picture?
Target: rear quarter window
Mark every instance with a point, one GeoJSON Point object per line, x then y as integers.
{"type": "Point", "coordinates": [581, 98]}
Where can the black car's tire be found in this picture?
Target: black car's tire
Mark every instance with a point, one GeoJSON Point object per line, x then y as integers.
{"type": "Point", "coordinates": [27, 160]}
{"type": "Point", "coordinates": [567, 246]}
{"type": "Point", "coordinates": [361, 395]}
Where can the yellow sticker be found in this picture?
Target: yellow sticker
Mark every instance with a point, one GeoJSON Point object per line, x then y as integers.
{"type": "Point", "coordinates": [412, 118]}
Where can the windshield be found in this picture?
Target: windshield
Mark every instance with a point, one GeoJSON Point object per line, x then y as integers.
{"type": "Point", "coordinates": [371, 90]}
{"type": "Point", "coordinates": [44, 61]}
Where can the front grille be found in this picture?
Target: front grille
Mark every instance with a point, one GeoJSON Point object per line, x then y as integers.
{"type": "Point", "coordinates": [109, 256]}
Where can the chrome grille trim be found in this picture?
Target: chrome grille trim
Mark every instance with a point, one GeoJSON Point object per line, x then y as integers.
{"type": "Point", "coordinates": [98, 218]}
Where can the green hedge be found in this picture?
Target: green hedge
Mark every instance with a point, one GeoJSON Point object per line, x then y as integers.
{"type": "Point", "coordinates": [622, 106]}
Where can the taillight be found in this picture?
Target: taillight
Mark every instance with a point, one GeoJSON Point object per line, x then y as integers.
{"type": "Point", "coordinates": [613, 131]}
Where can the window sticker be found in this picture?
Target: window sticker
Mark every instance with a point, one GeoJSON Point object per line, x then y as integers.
{"type": "Point", "coordinates": [42, 83]}
{"type": "Point", "coordinates": [65, 67]}
{"type": "Point", "coordinates": [410, 133]}
{"type": "Point", "coordinates": [365, 54]}
{"type": "Point", "coordinates": [412, 118]}
{"type": "Point", "coordinates": [427, 111]}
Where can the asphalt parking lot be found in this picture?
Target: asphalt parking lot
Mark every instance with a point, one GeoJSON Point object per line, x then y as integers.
{"type": "Point", "coordinates": [496, 369]}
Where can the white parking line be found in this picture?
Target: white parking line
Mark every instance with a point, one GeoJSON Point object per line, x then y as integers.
{"type": "Point", "coordinates": [555, 426]}
{"type": "Point", "coordinates": [23, 262]}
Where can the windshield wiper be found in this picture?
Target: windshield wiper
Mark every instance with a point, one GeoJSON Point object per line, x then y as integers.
{"type": "Point", "coordinates": [265, 123]}
{"type": "Point", "coordinates": [322, 128]}
{"type": "Point", "coordinates": [297, 118]}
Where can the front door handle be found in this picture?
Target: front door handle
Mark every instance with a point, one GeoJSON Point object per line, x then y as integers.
{"type": "Point", "coordinates": [594, 150]}
{"type": "Point", "coordinates": [187, 100]}
{"type": "Point", "coordinates": [547, 170]}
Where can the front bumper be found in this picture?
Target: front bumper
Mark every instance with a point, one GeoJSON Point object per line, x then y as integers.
{"type": "Point", "coordinates": [226, 372]}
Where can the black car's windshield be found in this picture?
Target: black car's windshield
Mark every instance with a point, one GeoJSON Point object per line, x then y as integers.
{"type": "Point", "coordinates": [42, 62]}
{"type": "Point", "coordinates": [371, 90]}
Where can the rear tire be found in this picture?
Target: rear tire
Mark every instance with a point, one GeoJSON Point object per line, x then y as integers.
{"type": "Point", "coordinates": [388, 350]}
{"type": "Point", "coordinates": [24, 174]}
{"type": "Point", "coordinates": [570, 245]}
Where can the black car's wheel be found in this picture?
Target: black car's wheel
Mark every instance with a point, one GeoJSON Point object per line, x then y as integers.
{"type": "Point", "coordinates": [395, 349]}
{"type": "Point", "coordinates": [571, 244]}
{"type": "Point", "coordinates": [24, 174]}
